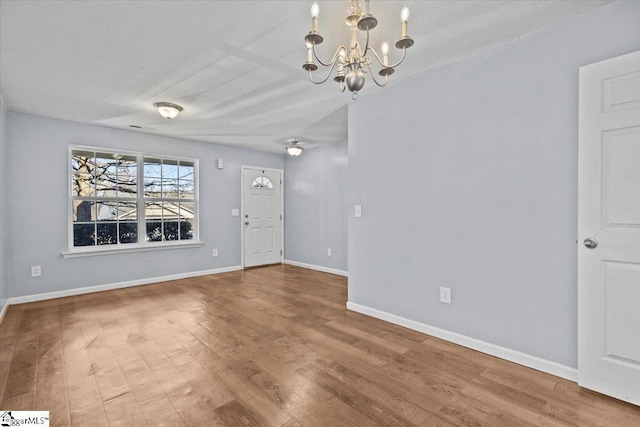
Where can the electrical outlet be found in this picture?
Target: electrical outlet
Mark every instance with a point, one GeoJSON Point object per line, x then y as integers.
{"type": "Point", "coordinates": [328, 251]}
{"type": "Point", "coordinates": [358, 211]}
{"type": "Point", "coordinates": [215, 252]}
{"type": "Point", "coordinates": [445, 295]}
{"type": "Point", "coordinates": [235, 212]}
{"type": "Point", "coordinates": [36, 271]}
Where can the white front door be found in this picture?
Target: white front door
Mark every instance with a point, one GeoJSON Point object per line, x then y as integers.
{"type": "Point", "coordinates": [609, 228]}
{"type": "Point", "coordinates": [262, 216]}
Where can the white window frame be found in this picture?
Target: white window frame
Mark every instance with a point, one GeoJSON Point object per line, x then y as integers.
{"type": "Point", "coordinates": [142, 245]}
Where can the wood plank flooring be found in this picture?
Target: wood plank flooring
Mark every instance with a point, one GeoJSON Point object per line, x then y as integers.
{"type": "Point", "coordinates": [273, 346]}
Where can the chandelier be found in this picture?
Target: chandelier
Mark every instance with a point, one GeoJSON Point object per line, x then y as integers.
{"type": "Point", "coordinates": [356, 61]}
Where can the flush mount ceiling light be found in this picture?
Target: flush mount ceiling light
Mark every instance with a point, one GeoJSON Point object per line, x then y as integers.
{"type": "Point", "coordinates": [355, 61]}
{"type": "Point", "coordinates": [294, 149]}
{"type": "Point", "coordinates": [168, 110]}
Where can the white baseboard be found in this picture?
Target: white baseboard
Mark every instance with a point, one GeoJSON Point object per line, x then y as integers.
{"type": "Point", "coordinates": [3, 310]}
{"type": "Point", "coordinates": [317, 268]}
{"type": "Point", "coordinates": [527, 360]}
{"type": "Point", "coordinates": [110, 286]}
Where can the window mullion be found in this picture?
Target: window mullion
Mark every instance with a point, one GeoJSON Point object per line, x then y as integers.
{"type": "Point", "coordinates": [142, 230]}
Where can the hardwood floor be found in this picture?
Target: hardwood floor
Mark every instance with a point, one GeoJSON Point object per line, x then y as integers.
{"type": "Point", "coordinates": [270, 346]}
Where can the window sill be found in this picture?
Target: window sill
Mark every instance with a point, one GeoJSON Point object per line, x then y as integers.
{"type": "Point", "coordinates": [78, 253]}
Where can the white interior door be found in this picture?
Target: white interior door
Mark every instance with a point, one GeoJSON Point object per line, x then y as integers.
{"type": "Point", "coordinates": [609, 228]}
{"type": "Point", "coordinates": [262, 216]}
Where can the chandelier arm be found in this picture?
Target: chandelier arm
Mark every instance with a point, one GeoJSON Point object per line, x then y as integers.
{"type": "Point", "coordinates": [333, 59]}
{"type": "Point", "coordinates": [404, 54]}
{"type": "Point", "coordinates": [375, 54]}
{"type": "Point", "coordinates": [373, 77]}
{"type": "Point", "coordinates": [366, 45]}
{"type": "Point", "coordinates": [326, 78]}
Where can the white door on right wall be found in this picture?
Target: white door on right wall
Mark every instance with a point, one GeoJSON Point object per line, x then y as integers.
{"type": "Point", "coordinates": [609, 228]}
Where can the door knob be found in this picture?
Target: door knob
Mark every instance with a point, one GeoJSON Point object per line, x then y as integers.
{"type": "Point", "coordinates": [247, 223]}
{"type": "Point", "coordinates": [590, 243]}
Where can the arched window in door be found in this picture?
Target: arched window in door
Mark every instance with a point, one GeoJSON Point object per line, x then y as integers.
{"type": "Point", "coordinates": [262, 182]}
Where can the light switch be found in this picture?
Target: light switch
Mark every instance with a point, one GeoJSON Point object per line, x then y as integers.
{"type": "Point", "coordinates": [235, 212]}
{"type": "Point", "coordinates": [358, 211]}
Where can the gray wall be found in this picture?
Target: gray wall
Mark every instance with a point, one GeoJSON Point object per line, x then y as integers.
{"type": "Point", "coordinates": [468, 179]}
{"type": "Point", "coordinates": [315, 206]}
{"type": "Point", "coordinates": [4, 282]}
{"type": "Point", "coordinates": [37, 190]}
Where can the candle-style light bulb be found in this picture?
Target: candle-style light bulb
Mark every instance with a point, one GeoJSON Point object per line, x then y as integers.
{"type": "Point", "coordinates": [404, 15]}
{"type": "Point", "coordinates": [385, 48]}
{"type": "Point", "coordinates": [385, 54]}
{"type": "Point", "coordinates": [315, 11]}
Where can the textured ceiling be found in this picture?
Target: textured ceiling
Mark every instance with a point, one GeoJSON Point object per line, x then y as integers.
{"type": "Point", "coordinates": [235, 66]}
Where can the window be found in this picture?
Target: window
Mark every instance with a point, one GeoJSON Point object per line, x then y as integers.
{"type": "Point", "coordinates": [262, 182]}
{"type": "Point", "coordinates": [121, 200]}
{"type": "Point", "coordinates": [169, 199]}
